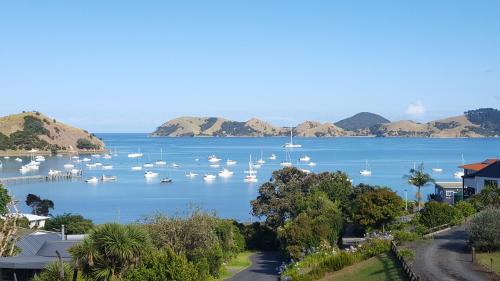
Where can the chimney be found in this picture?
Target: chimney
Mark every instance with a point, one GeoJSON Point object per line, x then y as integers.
{"type": "Point", "coordinates": [63, 235]}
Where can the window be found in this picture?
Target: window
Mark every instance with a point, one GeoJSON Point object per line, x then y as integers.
{"type": "Point", "coordinates": [491, 183]}
{"type": "Point", "coordinates": [449, 193]}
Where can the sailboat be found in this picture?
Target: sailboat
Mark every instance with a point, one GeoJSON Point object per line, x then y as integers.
{"type": "Point", "coordinates": [305, 158]}
{"type": "Point", "coordinates": [230, 162]}
{"type": "Point", "coordinates": [291, 144]}
{"type": "Point", "coordinates": [70, 164]}
{"type": "Point", "coordinates": [225, 173]}
{"type": "Point", "coordinates": [261, 161]}
{"type": "Point", "coordinates": [137, 167]}
{"type": "Point", "coordinates": [287, 162]}
{"type": "Point", "coordinates": [272, 157]}
{"type": "Point", "coordinates": [135, 155]}
{"type": "Point", "coordinates": [366, 171]}
{"type": "Point", "coordinates": [459, 174]}
{"type": "Point", "coordinates": [251, 174]}
{"type": "Point", "coordinates": [161, 162]}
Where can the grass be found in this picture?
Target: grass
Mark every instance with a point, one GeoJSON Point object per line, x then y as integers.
{"type": "Point", "coordinates": [380, 268]}
{"type": "Point", "coordinates": [239, 263]}
{"type": "Point", "coordinates": [485, 260]}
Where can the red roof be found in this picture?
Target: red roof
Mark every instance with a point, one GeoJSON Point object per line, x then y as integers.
{"type": "Point", "coordinates": [479, 166]}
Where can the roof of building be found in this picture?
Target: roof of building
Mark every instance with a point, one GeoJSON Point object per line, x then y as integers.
{"type": "Point", "coordinates": [32, 217]}
{"type": "Point", "coordinates": [491, 169]}
{"type": "Point", "coordinates": [450, 185]}
{"type": "Point", "coordinates": [479, 166]}
{"type": "Point", "coordinates": [37, 250]}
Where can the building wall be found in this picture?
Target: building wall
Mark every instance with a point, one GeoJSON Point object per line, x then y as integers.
{"type": "Point", "coordinates": [478, 182]}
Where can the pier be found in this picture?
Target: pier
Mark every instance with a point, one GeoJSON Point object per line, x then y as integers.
{"type": "Point", "coordinates": [41, 178]}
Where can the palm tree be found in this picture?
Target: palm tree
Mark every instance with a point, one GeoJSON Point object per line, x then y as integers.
{"type": "Point", "coordinates": [419, 178]}
{"type": "Point", "coordinates": [110, 250]}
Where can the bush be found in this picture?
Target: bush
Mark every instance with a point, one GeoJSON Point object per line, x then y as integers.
{"type": "Point", "coordinates": [377, 207]}
{"type": "Point", "coordinates": [484, 230]}
{"type": "Point", "coordinates": [52, 272]}
{"type": "Point", "coordinates": [436, 214]}
{"type": "Point", "coordinates": [405, 236]}
{"type": "Point", "coordinates": [164, 265]}
{"type": "Point", "coordinates": [259, 236]}
{"type": "Point", "coordinates": [33, 125]}
{"type": "Point", "coordinates": [465, 208]}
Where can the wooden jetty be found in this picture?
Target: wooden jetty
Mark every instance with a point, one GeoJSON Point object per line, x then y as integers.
{"type": "Point", "coordinates": [40, 178]}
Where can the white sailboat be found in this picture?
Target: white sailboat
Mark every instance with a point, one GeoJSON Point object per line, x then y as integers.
{"type": "Point", "coordinates": [209, 177]}
{"type": "Point", "coordinates": [437, 170]}
{"type": "Point", "coordinates": [291, 144]}
{"type": "Point", "coordinates": [19, 159]}
{"type": "Point", "coordinates": [460, 174]}
{"type": "Point", "coordinates": [135, 155]}
{"type": "Point", "coordinates": [70, 164]}
{"type": "Point", "coordinates": [366, 171]}
{"type": "Point", "coordinates": [191, 175]}
{"type": "Point", "coordinates": [107, 167]}
{"type": "Point", "coordinates": [272, 157]}
{"type": "Point", "coordinates": [92, 180]}
{"type": "Point", "coordinates": [137, 167]}
{"type": "Point", "coordinates": [213, 159]}
{"type": "Point", "coordinates": [230, 162]}
{"type": "Point", "coordinates": [251, 174]}
{"type": "Point", "coordinates": [305, 158]}
{"type": "Point", "coordinates": [161, 162]}
{"type": "Point", "coordinates": [225, 173]}
{"type": "Point", "coordinates": [312, 164]}
{"type": "Point", "coordinates": [287, 162]}
{"type": "Point", "coordinates": [261, 161]}
{"type": "Point", "coordinates": [149, 174]}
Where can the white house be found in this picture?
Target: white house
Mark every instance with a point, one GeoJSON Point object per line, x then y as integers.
{"type": "Point", "coordinates": [34, 220]}
{"type": "Point", "coordinates": [478, 175]}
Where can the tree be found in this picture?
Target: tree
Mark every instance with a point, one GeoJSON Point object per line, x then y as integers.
{"type": "Point", "coordinates": [86, 144]}
{"type": "Point", "coordinates": [488, 197]}
{"type": "Point", "coordinates": [73, 224]}
{"type": "Point", "coordinates": [419, 178]}
{"type": "Point", "coordinates": [376, 207]}
{"type": "Point", "coordinates": [465, 208]}
{"type": "Point", "coordinates": [9, 223]}
{"type": "Point", "coordinates": [110, 250]}
{"type": "Point", "coordinates": [5, 199]}
{"type": "Point", "coordinates": [436, 213]}
{"type": "Point", "coordinates": [39, 207]}
{"type": "Point", "coordinates": [484, 229]}
{"type": "Point", "coordinates": [53, 273]}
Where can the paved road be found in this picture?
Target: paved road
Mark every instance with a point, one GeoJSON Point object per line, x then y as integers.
{"type": "Point", "coordinates": [447, 258]}
{"type": "Point", "coordinates": [263, 268]}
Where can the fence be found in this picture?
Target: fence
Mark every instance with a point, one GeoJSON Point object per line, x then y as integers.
{"type": "Point", "coordinates": [412, 276]}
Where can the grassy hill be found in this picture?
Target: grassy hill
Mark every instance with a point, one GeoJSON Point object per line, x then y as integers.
{"type": "Point", "coordinates": [33, 130]}
{"type": "Point", "coordinates": [361, 121]}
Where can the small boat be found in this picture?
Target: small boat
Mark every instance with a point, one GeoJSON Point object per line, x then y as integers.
{"type": "Point", "coordinates": [135, 155]}
{"type": "Point", "coordinates": [215, 165]}
{"type": "Point", "coordinates": [96, 155]}
{"type": "Point", "coordinates": [166, 180]}
{"type": "Point", "coordinates": [225, 173]}
{"type": "Point", "coordinates": [437, 170]}
{"type": "Point", "coordinates": [305, 158]}
{"type": "Point", "coordinates": [161, 162]}
{"type": "Point", "coordinates": [148, 165]}
{"type": "Point", "coordinates": [136, 168]}
{"type": "Point", "coordinates": [107, 167]}
{"type": "Point", "coordinates": [209, 177]}
{"type": "Point", "coordinates": [91, 165]}
{"type": "Point", "coordinates": [19, 159]}
{"type": "Point", "coordinates": [98, 164]}
{"type": "Point", "coordinates": [191, 175]}
{"type": "Point", "coordinates": [69, 166]}
{"type": "Point", "coordinates": [272, 157]}
{"type": "Point", "coordinates": [106, 156]}
{"type": "Point", "coordinates": [54, 172]}
{"type": "Point", "coordinates": [312, 164]}
{"type": "Point", "coordinates": [75, 157]}
{"type": "Point", "coordinates": [39, 158]}
{"type": "Point", "coordinates": [75, 171]}
{"type": "Point", "coordinates": [24, 169]}
{"type": "Point", "coordinates": [257, 166]}
{"type": "Point", "coordinates": [6, 157]}
{"type": "Point", "coordinates": [109, 178]}
{"type": "Point", "coordinates": [92, 180]}
{"type": "Point", "coordinates": [306, 171]}
{"type": "Point", "coordinates": [366, 171]}
{"type": "Point", "coordinates": [59, 155]}
{"type": "Point", "coordinates": [149, 174]}
{"type": "Point", "coordinates": [86, 159]}
{"type": "Point", "coordinates": [458, 174]}
{"type": "Point", "coordinates": [213, 159]}
{"type": "Point", "coordinates": [291, 144]}
{"type": "Point", "coordinates": [231, 162]}
{"type": "Point", "coordinates": [175, 165]}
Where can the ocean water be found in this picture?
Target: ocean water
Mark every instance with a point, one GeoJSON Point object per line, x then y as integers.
{"type": "Point", "coordinates": [132, 197]}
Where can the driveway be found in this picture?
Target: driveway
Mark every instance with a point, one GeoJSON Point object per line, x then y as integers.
{"type": "Point", "coordinates": [263, 268]}
{"type": "Point", "coordinates": [447, 258]}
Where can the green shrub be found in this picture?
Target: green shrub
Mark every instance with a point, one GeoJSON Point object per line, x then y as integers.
{"type": "Point", "coordinates": [33, 125]}
{"type": "Point", "coordinates": [436, 214]}
{"type": "Point", "coordinates": [405, 236]}
{"type": "Point", "coordinates": [52, 272]}
{"type": "Point", "coordinates": [86, 144]}
{"type": "Point", "coordinates": [164, 265]}
{"type": "Point", "coordinates": [407, 254]}
{"type": "Point", "coordinates": [73, 224]}
{"type": "Point", "coordinates": [484, 230]}
{"type": "Point", "coordinates": [465, 208]}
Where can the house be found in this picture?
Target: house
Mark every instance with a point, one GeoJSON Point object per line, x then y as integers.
{"type": "Point", "coordinates": [478, 175]}
{"type": "Point", "coordinates": [34, 220]}
{"type": "Point", "coordinates": [447, 192]}
{"type": "Point", "coordinates": [38, 249]}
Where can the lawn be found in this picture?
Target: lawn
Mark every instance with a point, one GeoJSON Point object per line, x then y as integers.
{"type": "Point", "coordinates": [379, 268]}
{"type": "Point", "coordinates": [236, 265]}
{"type": "Point", "coordinates": [485, 260]}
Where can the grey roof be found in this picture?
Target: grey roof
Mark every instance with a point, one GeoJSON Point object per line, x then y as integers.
{"type": "Point", "coordinates": [37, 250]}
{"type": "Point", "coordinates": [450, 185]}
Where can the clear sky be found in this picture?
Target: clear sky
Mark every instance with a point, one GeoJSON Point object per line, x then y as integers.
{"type": "Point", "coordinates": [127, 66]}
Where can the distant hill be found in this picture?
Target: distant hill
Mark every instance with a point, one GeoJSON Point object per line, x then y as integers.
{"type": "Point", "coordinates": [361, 121]}
{"type": "Point", "coordinates": [483, 122]}
{"type": "Point", "coordinates": [215, 126]}
{"type": "Point", "coordinates": [33, 130]}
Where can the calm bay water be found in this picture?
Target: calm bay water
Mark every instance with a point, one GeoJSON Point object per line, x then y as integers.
{"type": "Point", "coordinates": [131, 196]}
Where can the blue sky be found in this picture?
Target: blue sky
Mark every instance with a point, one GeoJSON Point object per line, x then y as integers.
{"type": "Point", "coordinates": [127, 66]}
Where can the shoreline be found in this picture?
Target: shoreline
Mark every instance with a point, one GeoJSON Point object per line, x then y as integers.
{"type": "Point", "coordinates": [12, 153]}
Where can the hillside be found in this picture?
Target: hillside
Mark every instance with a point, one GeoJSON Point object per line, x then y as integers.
{"type": "Point", "coordinates": [214, 127]}
{"type": "Point", "coordinates": [361, 122]}
{"type": "Point", "coordinates": [33, 130]}
{"type": "Point", "coordinates": [317, 129]}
